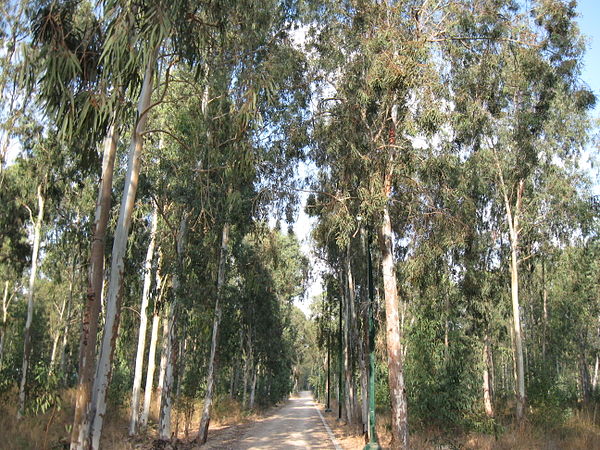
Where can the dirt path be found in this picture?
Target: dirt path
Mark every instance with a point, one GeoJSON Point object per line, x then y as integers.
{"type": "Point", "coordinates": [296, 425]}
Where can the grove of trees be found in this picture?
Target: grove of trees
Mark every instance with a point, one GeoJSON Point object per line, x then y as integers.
{"type": "Point", "coordinates": [155, 155]}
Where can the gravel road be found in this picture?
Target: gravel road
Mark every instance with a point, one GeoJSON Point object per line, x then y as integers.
{"type": "Point", "coordinates": [296, 425]}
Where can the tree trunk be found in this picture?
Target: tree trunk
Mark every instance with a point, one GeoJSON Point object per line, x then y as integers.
{"type": "Point", "coordinates": [518, 341]}
{"type": "Point", "coordinates": [5, 303]}
{"type": "Point", "coordinates": [586, 385]}
{"type": "Point", "coordinates": [349, 341]}
{"type": "Point", "coordinates": [363, 345]}
{"type": "Point", "coordinates": [253, 387]}
{"type": "Point", "coordinates": [513, 219]}
{"type": "Point", "coordinates": [111, 321]}
{"type": "Point", "coordinates": [487, 379]}
{"type": "Point", "coordinates": [163, 354]}
{"type": "Point", "coordinates": [248, 364]}
{"type": "Point", "coordinates": [545, 311]}
{"type": "Point", "coordinates": [63, 346]}
{"type": "Point", "coordinates": [37, 235]}
{"type": "Point", "coordinates": [55, 343]}
{"type": "Point", "coordinates": [393, 335]}
{"type": "Point", "coordinates": [91, 313]}
{"type": "Point", "coordinates": [170, 341]}
{"type": "Point", "coordinates": [210, 380]}
{"type": "Point", "coordinates": [594, 381]}
{"type": "Point", "coordinates": [141, 347]}
{"type": "Point", "coordinates": [152, 350]}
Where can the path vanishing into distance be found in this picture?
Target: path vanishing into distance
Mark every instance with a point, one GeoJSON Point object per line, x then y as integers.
{"type": "Point", "coordinates": [296, 425]}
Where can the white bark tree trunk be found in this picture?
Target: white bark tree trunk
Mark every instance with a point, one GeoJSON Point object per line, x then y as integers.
{"type": "Point", "coordinates": [210, 381]}
{"type": "Point", "coordinates": [91, 314]}
{"type": "Point", "coordinates": [253, 387]}
{"type": "Point", "coordinates": [163, 354]}
{"type": "Point", "coordinates": [5, 303]}
{"type": "Point", "coordinates": [393, 335]}
{"type": "Point", "coordinates": [55, 347]}
{"type": "Point", "coordinates": [170, 342]}
{"type": "Point", "coordinates": [514, 225]}
{"type": "Point", "coordinates": [348, 341]}
{"type": "Point", "coordinates": [152, 349]}
{"type": "Point", "coordinates": [111, 321]}
{"type": "Point", "coordinates": [248, 364]}
{"type": "Point", "coordinates": [141, 347]}
{"type": "Point", "coordinates": [487, 380]}
{"type": "Point", "coordinates": [594, 381]}
{"type": "Point", "coordinates": [37, 235]}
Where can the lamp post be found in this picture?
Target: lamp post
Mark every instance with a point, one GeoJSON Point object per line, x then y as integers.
{"type": "Point", "coordinates": [373, 443]}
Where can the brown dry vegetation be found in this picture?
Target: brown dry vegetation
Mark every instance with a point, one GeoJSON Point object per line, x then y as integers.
{"type": "Point", "coordinates": [578, 433]}
{"type": "Point", "coordinates": [51, 430]}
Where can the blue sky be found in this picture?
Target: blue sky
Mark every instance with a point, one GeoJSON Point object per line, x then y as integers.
{"type": "Point", "coordinates": [589, 22]}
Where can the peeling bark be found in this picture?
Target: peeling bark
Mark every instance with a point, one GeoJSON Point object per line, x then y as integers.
{"type": "Point", "coordinates": [393, 335]}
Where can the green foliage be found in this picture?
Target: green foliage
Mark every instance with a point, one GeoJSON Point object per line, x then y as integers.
{"type": "Point", "coordinates": [44, 389]}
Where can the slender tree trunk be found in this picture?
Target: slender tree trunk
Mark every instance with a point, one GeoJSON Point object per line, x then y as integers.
{"type": "Point", "coordinates": [170, 341]}
{"type": "Point", "coordinates": [65, 336]}
{"type": "Point", "coordinates": [586, 385]}
{"type": "Point", "coordinates": [55, 344]}
{"type": "Point", "coordinates": [141, 347]}
{"type": "Point", "coordinates": [37, 235]}
{"type": "Point", "coordinates": [363, 345]}
{"type": "Point", "coordinates": [152, 349]}
{"type": "Point", "coordinates": [164, 353]}
{"type": "Point", "coordinates": [594, 382]}
{"type": "Point", "coordinates": [518, 341]}
{"type": "Point", "coordinates": [248, 364]}
{"type": "Point", "coordinates": [63, 346]}
{"type": "Point", "coordinates": [545, 311]}
{"type": "Point", "coordinates": [364, 379]}
{"type": "Point", "coordinates": [393, 335]}
{"type": "Point", "coordinates": [166, 392]}
{"type": "Point", "coordinates": [349, 341]}
{"type": "Point", "coordinates": [91, 313]}
{"type": "Point", "coordinates": [111, 322]}
{"type": "Point", "coordinates": [487, 379]}
{"type": "Point", "coordinates": [210, 379]}
{"type": "Point", "coordinates": [5, 303]}
{"type": "Point", "coordinates": [513, 219]}
{"type": "Point", "coordinates": [253, 387]}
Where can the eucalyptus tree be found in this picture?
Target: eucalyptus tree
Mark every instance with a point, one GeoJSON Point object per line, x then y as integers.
{"type": "Point", "coordinates": [13, 37]}
{"type": "Point", "coordinates": [40, 176]}
{"type": "Point", "coordinates": [520, 108]}
{"type": "Point", "coordinates": [386, 93]}
{"type": "Point", "coordinates": [141, 347]}
{"type": "Point", "coordinates": [74, 91]}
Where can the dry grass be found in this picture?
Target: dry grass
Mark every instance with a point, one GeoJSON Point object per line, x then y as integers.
{"type": "Point", "coordinates": [578, 433]}
{"type": "Point", "coordinates": [51, 430]}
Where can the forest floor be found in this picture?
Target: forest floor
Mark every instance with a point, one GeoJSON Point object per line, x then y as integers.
{"type": "Point", "coordinates": [231, 425]}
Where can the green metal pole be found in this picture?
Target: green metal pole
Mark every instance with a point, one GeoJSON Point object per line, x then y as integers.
{"type": "Point", "coordinates": [340, 356]}
{"type": "Point", "coordinates": [373, 441]}
{"type": "Point", "coordinates": [328, 409]}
